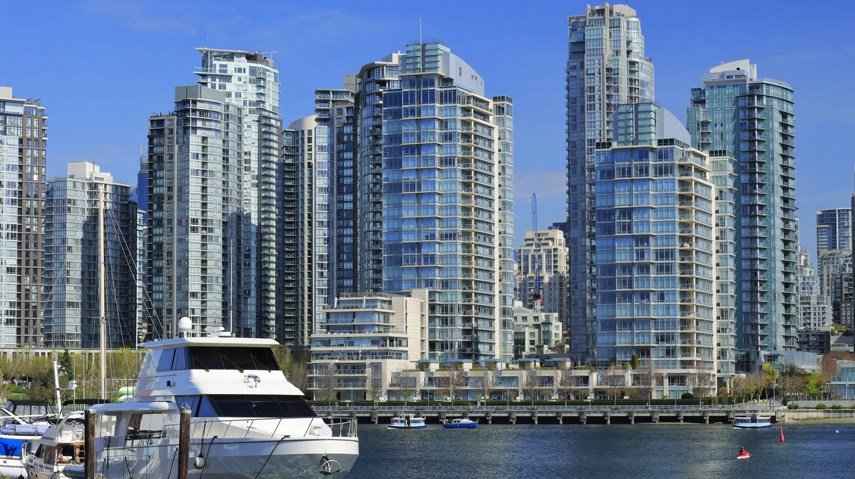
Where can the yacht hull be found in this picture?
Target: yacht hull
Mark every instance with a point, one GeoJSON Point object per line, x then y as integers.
{"type": "Point", "coordinates": [239, 458]}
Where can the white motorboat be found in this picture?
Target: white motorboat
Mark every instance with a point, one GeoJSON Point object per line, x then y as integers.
{"type": "Point", "coordinates": [407, 421]}
{"type": "Point", "coordinates": [752, 421]}
{"type": "Point", "coordinates": [247, 420]}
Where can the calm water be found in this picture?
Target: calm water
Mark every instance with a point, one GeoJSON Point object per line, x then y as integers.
{"type": "Point", "coordinates": [605, 451]}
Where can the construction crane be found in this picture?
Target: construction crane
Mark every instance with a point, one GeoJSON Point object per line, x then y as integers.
{"type": "Point", "coordinates": [537, 293]}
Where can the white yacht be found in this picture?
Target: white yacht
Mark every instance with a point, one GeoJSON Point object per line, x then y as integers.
{"type": "Point", "coordinates": [247, 420]}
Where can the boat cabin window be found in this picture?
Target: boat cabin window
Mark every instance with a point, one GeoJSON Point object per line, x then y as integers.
{"type": "Point", "coordinates": [207, 358]}
{"type": "Point", "coordinates": [150, 363]}
{"type": "Point", "coordinates": [172, 359]}
{"type": "Point", "coordinates": [232, 358]}
{"type": "Point", "coordinates": [248, 406]}
{"type": "Point", "coordinates": [48, 454]}
{"type": "Point", "coordinates": [65, 454]}
{"type": "Point", "coordinates": [28, 408]}
{"type": "Point", "coordinates": [146, 426]}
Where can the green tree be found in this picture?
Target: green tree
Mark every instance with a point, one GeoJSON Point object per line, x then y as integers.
{"type": "Point", "coordinates": [770, 377]}
{"type": "Point", "coordinates": [634, 362]}
{"type": "Point", "coordinates": [66, 365]}
{"type": "Point", "coordinates": [814, 383]}
{"type": "Point", "coordinates": [294, 366]}
{"type": "Point", "coordinates": [42, 386]}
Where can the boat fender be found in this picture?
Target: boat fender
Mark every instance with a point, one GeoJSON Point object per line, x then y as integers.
{"type": "Point", "coordinates": [199, 462]}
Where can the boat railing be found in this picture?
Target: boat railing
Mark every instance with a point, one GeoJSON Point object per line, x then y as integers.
{"type": "Point", "coordinates": [343, 427]}
{"type": "Point", "coordinates": [260, 428]}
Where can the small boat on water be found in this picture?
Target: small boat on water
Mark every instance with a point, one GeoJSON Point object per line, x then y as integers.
{"type": "Point", "coordinates": [460, 423]}
{"type": "Point", "coordinates": [60, 446]}
{"type": "Point", "coordinates": [408, 421]}
{"type": "Point", "coordinates": [20, 421]}
{"type": "Point", "coordinates": [752, 421]}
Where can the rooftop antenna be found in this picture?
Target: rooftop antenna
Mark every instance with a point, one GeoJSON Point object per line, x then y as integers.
{"type": "Point", "coordinates": [420, 30]}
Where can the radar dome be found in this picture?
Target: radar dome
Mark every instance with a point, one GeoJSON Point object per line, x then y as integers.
{"type": "Point", "coordinates": [185, 325]}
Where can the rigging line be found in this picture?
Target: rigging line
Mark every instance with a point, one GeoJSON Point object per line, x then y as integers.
{"type": "Point", "coordinates": [119, 320]}
{"type": "Point", "coordinates": [125, 332]}
{"type": "Point", "coordinates": [270, 455]}
{"type": "Point", "coordinates": [131, 259]}
{"type": "Point", "coordinates": [130, 256]}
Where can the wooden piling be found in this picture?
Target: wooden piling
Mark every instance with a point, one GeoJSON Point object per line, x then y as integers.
{"type": "Point", "coordinates": [184, 444]}
{"type": "Point", "coordinates": [89, 445]}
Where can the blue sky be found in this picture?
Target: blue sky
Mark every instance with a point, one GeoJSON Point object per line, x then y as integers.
{"type": "Point", "coordinates": [102, 67]}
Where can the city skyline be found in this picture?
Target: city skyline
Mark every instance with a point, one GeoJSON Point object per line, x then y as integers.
{"type": "Point", "coordinates": [524, 59]}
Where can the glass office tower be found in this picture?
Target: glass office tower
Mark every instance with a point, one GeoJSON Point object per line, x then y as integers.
{"type": "Point", "coordinates": [334, 110]}
{"type": "Point", "coordinates": [195, 157]}
{"type": "Point", "coordinates": [250, 80]}
{"type": "Point", "coordinates": [606, 67]}
{"type": "Point", "coordinates": [23, 144]}
{"type": "Point", "coordinates": [307, 149]}
{"type": "Point", "coordinates": [833, 229]}
{"type": "Point", "coordinates": [751, 119]}
{"type": "Point", "coordinates": [447, 202]}
{"type": "Point", "coordinates": [655, 257]}
{"type": "Point", "coordinates": [72, 260]}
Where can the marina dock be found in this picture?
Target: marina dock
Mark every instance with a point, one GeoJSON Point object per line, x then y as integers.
{"type": "Point", "coordinates": [555, 414]}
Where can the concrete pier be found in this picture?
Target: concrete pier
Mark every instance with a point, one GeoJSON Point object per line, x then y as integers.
{"type": "Point", "coordinates": [571, 414]}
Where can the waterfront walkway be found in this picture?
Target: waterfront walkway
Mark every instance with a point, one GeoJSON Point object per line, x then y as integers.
{"type": "Point", "coordinates": [557, 414]}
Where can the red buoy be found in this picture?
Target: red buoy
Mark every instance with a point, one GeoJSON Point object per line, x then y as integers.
{"type": "Point", "coordinates": [782, 433]}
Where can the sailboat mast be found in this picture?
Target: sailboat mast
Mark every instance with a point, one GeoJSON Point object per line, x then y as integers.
{"type": "Point", "coordinates": [102, 292]}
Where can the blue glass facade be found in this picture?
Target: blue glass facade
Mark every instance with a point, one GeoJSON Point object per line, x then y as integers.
{"type": "Point", "coordinates": [442, 200]}
{"type": "Point", "coordinates": [23, 146]}
{"type": "Point", "coordinates": [373, 79]}
{"type": "Point", "coordinates": [194, 158]}
{"type": "Point", "coordinates": [72, 260]}
{"type": "Point", "coordinates": [752, 120]}
{"type": "Point", "coordinates": [833, 229]}
{"type": "Point", "coordinates": [606, 67]}
{"type": "Point", "coordinates": [335, 110]}
{"type": "Point", "coordinates": [655, 252]}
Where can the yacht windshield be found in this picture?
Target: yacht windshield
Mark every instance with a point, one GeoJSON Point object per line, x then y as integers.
{"type": "Point", "coordinates": [248, 406]}
{"type": "Point", "coordinates": [232, 358]}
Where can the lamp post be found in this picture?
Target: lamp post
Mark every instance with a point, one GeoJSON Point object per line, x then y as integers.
{"type": "Point", "coordinates": [73, 386]}
{"type": "Point", "coordinates": [774, 391]}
